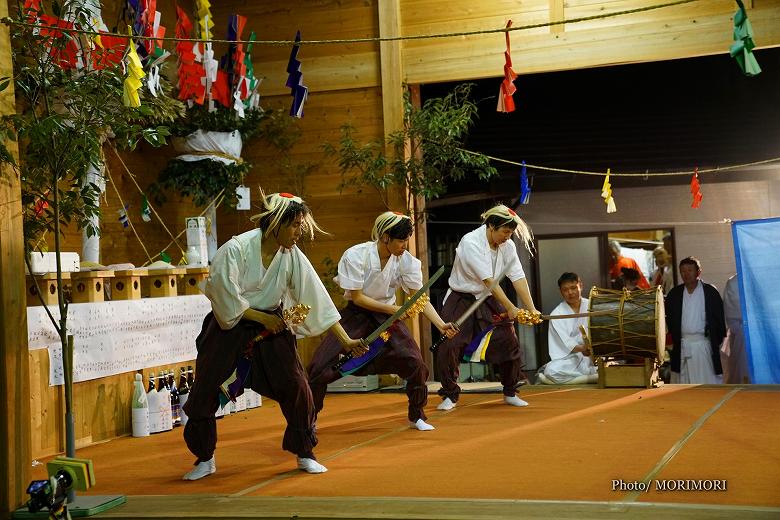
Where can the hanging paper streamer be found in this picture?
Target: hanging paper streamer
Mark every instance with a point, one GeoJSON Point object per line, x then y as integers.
{"type": "Point", "coordinates": [205, 21]}
{"type": "Point", "coordinates": [696, 189]}
{"type": "Point", "coordinates": [132, 82]}
{"type": "Point", "coordinates": [252, 98]}
{"type": "Point", "coordinates": [295, 80]}
{"type": "Point", "coordinates": [231, 90]}
{"type": "Point", "coordinates": [742, 48]}
{"type": "Point", "coordinates": [146, 210]}
{"type": "Point", "coordinates": [190, 87]}
{"type": "Point", "coordinates": [41, 205]}
{"type": "Point", "coordinates": [525, 188]}
{"type": "Point", "coordinates": [606, 194]}
{"type": "Point", "coordinates": [506, 102]}
{"type": "Point", "coordinates": [110, 53]}
{"type": "Point", "coordinates": [61, 46]}
{"type": "Point", "coordinates": [123, 216]}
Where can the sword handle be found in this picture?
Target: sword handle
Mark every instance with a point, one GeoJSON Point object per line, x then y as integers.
{"type": "Point", "coordinates": [342, 361]}
{"type": "Point", "coordinates": [436, 344]}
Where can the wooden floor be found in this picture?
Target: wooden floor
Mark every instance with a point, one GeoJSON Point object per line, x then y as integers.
{"type": "Point", "coordinates": [575, 452]}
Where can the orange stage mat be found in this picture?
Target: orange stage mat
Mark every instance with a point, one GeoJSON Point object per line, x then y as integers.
{"type": "Point", "coordinates": [570, 444]}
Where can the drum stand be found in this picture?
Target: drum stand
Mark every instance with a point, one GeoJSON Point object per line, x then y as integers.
{"type": "Point", "coordinates": [642, 372]}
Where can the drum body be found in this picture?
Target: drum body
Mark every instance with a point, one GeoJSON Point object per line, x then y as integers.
{"type": "Point", "coordinates": [627, 324]}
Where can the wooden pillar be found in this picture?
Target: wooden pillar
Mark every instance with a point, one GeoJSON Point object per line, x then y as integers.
{"type": "Point", "coordinates": [393, 118]}
{"type": "Point", "coordinates": [14, 362]}
{"type": "Point", "coordinates": [419, 247]}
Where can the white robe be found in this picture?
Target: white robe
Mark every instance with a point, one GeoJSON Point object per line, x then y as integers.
{"type": "Point", "coordinates": [562, 337]}
{"type": "Point", "coordinates": [733, 355]}
{"type": "Point", "coordinates": [360, 269]}
{"type": "Point", "coordinates": [474, 263]}
{"type": "Point", "coordinates": [696, 365]}
{"type": "Point", "coordinates": [238, 281]}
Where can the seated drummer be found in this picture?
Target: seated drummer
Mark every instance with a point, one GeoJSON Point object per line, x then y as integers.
{"type": "Point", "coordinates": [570, 362]}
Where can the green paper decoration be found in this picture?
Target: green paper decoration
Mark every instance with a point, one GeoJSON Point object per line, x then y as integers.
{"type": "Point", "coordinates": [742, 48]}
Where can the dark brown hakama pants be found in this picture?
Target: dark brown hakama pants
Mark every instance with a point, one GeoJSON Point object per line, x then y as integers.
{"type": "Point", "coordinates": [400, 355]}
{"type": "Point", "coordinates": [276, 372]}
{"type": "Point", "coordinates": [503, 349]}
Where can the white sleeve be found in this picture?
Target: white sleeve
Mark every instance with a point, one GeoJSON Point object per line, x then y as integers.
{"type": "Point", "coordinates": [559, 338]}
{"type": "Point", "coordinates": [410, 273]}
{"type": "Point", "coordinates": [223, 286]}
{"type": "Point", "coordinates": [515, 271]}
{"type": "Point", "coordinates": [475, 262]}
{"type": "Point", "coordinates": [307, 288]}
{"type": "Point", "coordinates": [351, 270]}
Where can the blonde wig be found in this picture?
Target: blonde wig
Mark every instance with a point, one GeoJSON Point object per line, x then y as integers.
{"type": "Point", "coordinates": [280, 209]}
{"type": "Point", "coordinates": [501, 216]}
{"type": "Point", "coordinates": [385, 222]}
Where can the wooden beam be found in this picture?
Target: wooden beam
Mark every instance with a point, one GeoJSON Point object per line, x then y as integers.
{"type": "Point", "coordinates": [636, 40]}
{"type": "Point", "coordinates": [14, 364]}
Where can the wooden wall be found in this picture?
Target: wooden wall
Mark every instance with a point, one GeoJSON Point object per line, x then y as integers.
{"type": "Point", "coordinates": [101, 407]}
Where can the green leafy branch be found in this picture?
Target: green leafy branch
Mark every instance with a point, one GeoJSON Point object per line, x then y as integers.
{"type": "Point", "coordinates": [425, 155]}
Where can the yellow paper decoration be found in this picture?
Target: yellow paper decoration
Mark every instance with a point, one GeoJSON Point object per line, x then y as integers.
{"type": "Point", "coordinates": [135, 72]}
{"type": "Point", "coordinates": [606, 194]}
{"type": "Point", "coordinates": [204, 16]}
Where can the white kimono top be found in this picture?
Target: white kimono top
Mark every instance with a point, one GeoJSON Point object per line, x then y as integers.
{"type": "Point", "coordinates": [238, 281]}
{"type": "Point", "coordinates": [564, 335]}
{"type": "Point", "coordinates": [694, 317]}
{"type": "Point", "coordinates": [360, 268]}
{"type": "Point", "coordinates": [475, 262]}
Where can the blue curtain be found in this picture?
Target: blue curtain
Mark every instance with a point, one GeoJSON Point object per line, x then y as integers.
{"type": "Point", "coordinates": [757, 251]}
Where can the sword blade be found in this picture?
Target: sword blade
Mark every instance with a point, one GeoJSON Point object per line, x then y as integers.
{"type": "Point", "coordinates": [402, 310]}
{"type": "Point", "coordinates": [368, 340]}
{"type": "Point", "coordinates": [576, 315]}
{"type": "Point", "coordinates": [473, 307]}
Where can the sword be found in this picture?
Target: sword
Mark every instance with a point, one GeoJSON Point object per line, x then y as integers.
{"type": "Point", "coordinates": [368, 340]}
{"type": "Point", "coordinates": [473, 307]}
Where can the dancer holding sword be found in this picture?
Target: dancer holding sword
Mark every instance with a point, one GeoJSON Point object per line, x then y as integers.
{"type": "Point", "coordinates": [482, 258]}
{"type": "Point", "coordinates": [370, 273]}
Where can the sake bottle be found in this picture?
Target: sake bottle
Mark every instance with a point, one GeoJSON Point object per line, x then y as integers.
{"type": "Point", "coordinates": [184, 394]}
{"type": "Point", "coordinates": [175, 403]}
{"type": "Point", "coordinates": [164, 403]}
{"type": "Point", "coordinates": [140, 409]}
{"type": "Point", "coordinates": [153, 400]}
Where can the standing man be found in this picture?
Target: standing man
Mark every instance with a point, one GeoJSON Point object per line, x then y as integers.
{"type": "Point", "coordinates": [694, 316]}
{"type": "Point", "coordinates": [570, 361]}
{"type": "Point", "coordinates": [733, 355]}
{"type": "Point", "coordinates": [482, 255]}
{"type": "Point", "coordinates": [370, 273]}
{"type": "Point", "coordinates": [663, 275]}
{"type": "Point", "coordinates": [252, 276]}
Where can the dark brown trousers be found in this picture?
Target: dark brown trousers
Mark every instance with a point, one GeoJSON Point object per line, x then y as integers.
{"type": "Point", "coordinates": [276, 373]}
{"type": "Point", "coordinates": [503, 349]}
{"type": "Point", "coordinates": [400, 355]}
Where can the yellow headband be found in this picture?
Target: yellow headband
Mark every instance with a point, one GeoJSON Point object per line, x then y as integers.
{"type": "Point", "coordinates": [385, 222]}
{"type": "Point", "coordinates": [276, 204]}
{"type": "Point", "coordinates": [522, 231]}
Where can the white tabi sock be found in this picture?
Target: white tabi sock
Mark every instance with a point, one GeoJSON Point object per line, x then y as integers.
{"type": "Point", "coordinates": [310, 465]}
{"type": "Point", "coordinates": [514, 401]}
{"type": "Point", "coordinates": [421, 425]}
{"type": "Point", "coordinates": [202, 469]}
{"type": "Point", "coordinates": [447, 404]}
